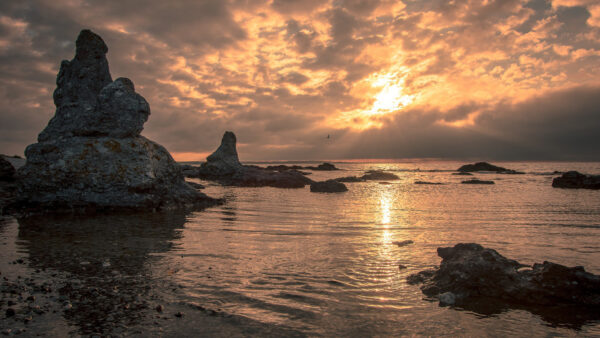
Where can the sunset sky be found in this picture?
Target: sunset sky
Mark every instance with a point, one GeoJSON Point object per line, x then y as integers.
{"type": "Point", "coordinates": [493, 80]}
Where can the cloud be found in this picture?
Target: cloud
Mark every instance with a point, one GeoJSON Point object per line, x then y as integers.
{"type": "Point", "coordinates": [507, 79]}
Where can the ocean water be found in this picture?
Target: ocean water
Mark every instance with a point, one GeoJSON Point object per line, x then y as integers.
{"type": "Point", "coordinates": [291, 262]}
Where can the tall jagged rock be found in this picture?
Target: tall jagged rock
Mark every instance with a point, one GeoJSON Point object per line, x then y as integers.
{"type": "Point", "coordinates": [91, 155]}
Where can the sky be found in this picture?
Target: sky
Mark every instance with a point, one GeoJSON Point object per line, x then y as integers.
{"type": "Point", "coordinates": [341, 79]}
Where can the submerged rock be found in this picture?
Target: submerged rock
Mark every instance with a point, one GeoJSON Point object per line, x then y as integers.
{"type": "Point", "coordinates": [484, 166]}
{"type": "Point", "coordinates": [224, 167]}
{"type": "Point", "coordinates": [328, 186]}
{"type": "Point", "coordinates": [475, 181]}
{"type": "Point", "coordinates": [430, 183]}
{"type": "Point", "coordinates": [471, 272]}
{"type": "Point", "coordinates": [350, 179]}
{"type": "Point", "coordinates": [576, 180]}
{"type": "Point", "coordinates": [91, 155]}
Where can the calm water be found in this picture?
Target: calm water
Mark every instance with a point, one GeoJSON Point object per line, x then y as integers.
{"type": "Point", "coordinates": [324, 264]}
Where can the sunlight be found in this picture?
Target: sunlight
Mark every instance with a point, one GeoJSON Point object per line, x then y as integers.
{"type": "Point", "coordinates": [390, 98]}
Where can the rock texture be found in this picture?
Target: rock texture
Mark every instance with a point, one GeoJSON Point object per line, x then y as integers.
{"type": "Point", "coordinates": [470, 272]}
{"type": "Point", "coordinates": [224, 167]}
{"type": "Point", "coordinates": [484, 166]}
{"type": "Point", "coordinates": [328, 186]}
{"type": "Point", "coordinates": [7, 171]}
{"type": "Point", "coordinates": [576, 180]}
{"type": "Point", "coordinates": [91, 155]}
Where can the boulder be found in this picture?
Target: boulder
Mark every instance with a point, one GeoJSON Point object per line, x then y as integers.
{"type": "Point", "coordinates": [475, 181]}
{"type": "Point", "coordinates": [328, 186]}
{"type": "Point", "coordinates": [91, 155]}
{"type": "Point", "coordinates": [471, 273]}
{"type": "Point", "coordinates": [576, 180]}
{"type": "Point", "coordinates": [484, 166]}
{"type": "Point", "coordinates": [224, 167]}
{"type": "Point", "coordinates": [7, 171]}
{"type": "Point", "coordinates": [378, 175]}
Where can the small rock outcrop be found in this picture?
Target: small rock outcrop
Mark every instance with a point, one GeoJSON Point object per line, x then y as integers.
{"type": "Point", "coordinates": [328, 186]}
{"type": "Point", "coordinates": [576, 180]}
{"type": "Point", "coordinates": [350, 179]}
{"type": "Point", "coordinates": [469, 272]}
{"type": "Point", "coordinates": [475, 181]}
{"type": "Point", "coordinates": [378, 175]}
{"type": "Point", "coordinates": [7, 171]}
{"type": "Point", "coordinates": [428, 183]}
{"type": "Point", "coordinates": [224, 167]}
{"type": "Point", "coordinates": [484, 166]}
{"type": "Point", "coordinates": [91, 155]}
{"type": "Point", "coordinates": [321, 167]}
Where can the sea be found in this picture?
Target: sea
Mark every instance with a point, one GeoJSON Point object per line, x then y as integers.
{"type": "Point", "coordinates": [290, 262]}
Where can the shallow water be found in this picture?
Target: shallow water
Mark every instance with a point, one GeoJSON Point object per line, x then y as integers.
{"type": "Point", "coordinates": [324, 264]}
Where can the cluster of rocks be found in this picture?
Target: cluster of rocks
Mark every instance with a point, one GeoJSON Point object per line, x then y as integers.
{"type": "Point", "coordinates": [469, 272]}
{"type": "Point", "coordinates": [484, 166]}
{"type": "Point", "coordinates": [224, 167]}
{"type": "Point", "coordinates": [576, 180]}
{"type": "Point", "coordinates": [91, 155]}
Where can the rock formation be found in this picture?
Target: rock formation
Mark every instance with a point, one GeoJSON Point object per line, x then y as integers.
{"type": "Point", "coordinates": [475, 181]}
{"type": "Point", "coordinates": [469, 272]}
{"type": "Point", "coordinates": [91, 155]}
{"type": "Point", "coordinates": [378, 175]}
{"type": "Point", "coordinates": [7, 171]}
{"type": "Point", "coordinates": [484, 166]}
{"type": "Point", "coordinates": [328, 186]}
{"type": "Point", "coordinates": [224, 167]}
{"type": "Point", "coordinates": [321, 167]}
{"type": "Point", "coordinates": [576, 180]}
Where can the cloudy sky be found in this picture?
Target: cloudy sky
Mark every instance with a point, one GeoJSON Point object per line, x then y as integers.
{"type": "Point", "coordinates": [495, 80]}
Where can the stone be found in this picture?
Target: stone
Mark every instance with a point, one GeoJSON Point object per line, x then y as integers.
{"type": "Point", "coordinates": [323, 167]}
{"type": "Point", "coordinates": [378, 175]}
{"type": "Point", "coordinates": [7, 171]}
{"type": "Point", "coordinates": [428, 183]}
{"type": "Point", "coordinates": [576, 180]}
{"type": "Point", "coordinates": [403, 243]}
{"type": "Point", "coordinates": [224, 161]}
{"type": "Point", "coordinates": [447, 298]}
{"type": "Point", "coordinates": [224, 167]}
{"type": "Point", "coordinates": [475, 181]}
{"type": "Point", "coordinates": [91, 155]}
{"type": "Point", "coordinates": [471, 272]}
{"type": "Point", "coordinates": [484, 166]}
{"type": "Point", "coordinates": [350, 179]}
{"type": "Point", "coordinates": [328, 186]}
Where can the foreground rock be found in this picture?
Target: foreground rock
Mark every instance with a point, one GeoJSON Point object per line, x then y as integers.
{"type": "Point", "coordinates": [328, 186]}
{"type": "Point", "coordinates": [224, 167]}
{"type": "Point", "coordinates": [576, 180]}
{"type": "Point", "coordinates": [91, 155]}
{"type": "Point", "coordinates": [469, 272]}
{"type": "Point", "coordinates": [484, 166]}
{"type": "Point", "coordinates": [475, 181]}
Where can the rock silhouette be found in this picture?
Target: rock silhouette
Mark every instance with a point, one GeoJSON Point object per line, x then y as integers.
{"type": "Point", "coordinates": [576, 180]}
{"type": "Point", "coordinates": [328, 186]}
{"type": "Point", "coordinates": [91, 155]}
{"type": "Point", "coordinates": [484, 166]}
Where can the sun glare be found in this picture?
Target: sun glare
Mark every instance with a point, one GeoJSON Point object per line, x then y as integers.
{"type": "Point", "coordinates": [390, 97]}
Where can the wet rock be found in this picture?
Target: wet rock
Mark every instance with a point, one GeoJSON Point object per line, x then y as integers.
{"type": "Point", "coordinates": [328, 186]}
{"type": "Point", "coordinates": [195, 185]}
{"type": "Point", "coordinates": [484, 166]}
{"type": "Point", "coordinates": [576, 180]}
{"type": "Point", "coordinates": [475, 181]}
{"type": "Point", "coordinates": [350, 179]}
{"type": "Point", "coordinates": [428, 183]}
{"type": "Point", "coordinates": [323, 167]}
{"type": "Point", "coordinates": [403, 243]}
{"type": "Point", "coordinates": [91, 155]}
{"type": "Point", "coordinates": [378, 175]}
{"type": "Point", "coordinates": [447, 298]}
{"type": "Point", "coordinates": [223, 166]}
{"type": "Point", "coordinates": [462, 174]}
{"type": "Point", "coordinates": [470, 272]}
{"type": "Point", "coordinates": [7, 171]}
